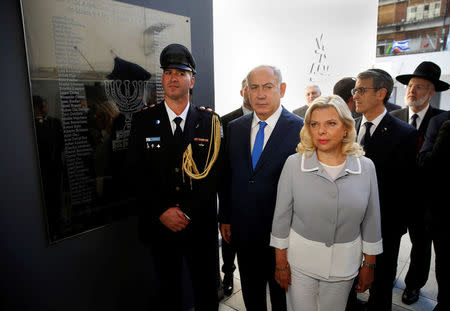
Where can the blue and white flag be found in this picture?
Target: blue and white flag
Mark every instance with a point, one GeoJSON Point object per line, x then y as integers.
{"type": "Point", "coordinates": [401, 46]}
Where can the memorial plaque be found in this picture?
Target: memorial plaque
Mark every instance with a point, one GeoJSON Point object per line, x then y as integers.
{"type": "Point", "coordinates": [92, 65]}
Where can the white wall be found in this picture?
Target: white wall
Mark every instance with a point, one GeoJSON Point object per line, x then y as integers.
{"type": "Point", "coordinates": [283, 33]}
{"type": "Point", "coordinates": [406, 64]}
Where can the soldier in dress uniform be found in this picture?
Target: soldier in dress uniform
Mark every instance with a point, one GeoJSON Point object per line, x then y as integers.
{"type": "Point", "coordinates": [173, 155]}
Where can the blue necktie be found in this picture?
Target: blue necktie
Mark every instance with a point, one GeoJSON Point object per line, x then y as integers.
{"type": "Point", "coordinates": [259, 143]}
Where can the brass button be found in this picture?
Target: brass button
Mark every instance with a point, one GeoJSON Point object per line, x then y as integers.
{"type": "Point", "coordinates": [177, 188]}
{"type": "Point", "coordinates": [177, 170]}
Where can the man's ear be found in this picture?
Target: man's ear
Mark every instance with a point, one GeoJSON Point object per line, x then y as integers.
{"type": "Point", "coordinates": [381, 93]}
{"type": "Point", "coordinates": [282, 89]}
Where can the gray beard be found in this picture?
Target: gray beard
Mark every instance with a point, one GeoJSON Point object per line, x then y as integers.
{"type": "Point", "coordinates": [416, 103]}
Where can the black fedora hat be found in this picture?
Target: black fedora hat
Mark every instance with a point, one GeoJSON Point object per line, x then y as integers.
{"type": "Point", "coordinates": [428, 71]}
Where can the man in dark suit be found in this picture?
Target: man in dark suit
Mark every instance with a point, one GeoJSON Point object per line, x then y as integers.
{"type": "Point", "coordinates": [311, 93]}
{"type": "Point", "coordinates": [343, 88]}
{"type": "Point", "coordinates": [228, 251]}
{"type": "Point", "coordinates": [430, 138]}
{"type": "Point", "coordinates": [421, 86]}
{"type": "Point", "coordinates": [437, 164]}
{"type": "Point", "coordinates": [257, 146]}
{"type": "Point", "coordinates": [177, 206]}
{"type": "Point", "coordinates": [391, 144]}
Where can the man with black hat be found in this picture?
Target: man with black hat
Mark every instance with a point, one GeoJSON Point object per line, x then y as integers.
{"type": "Point", "coordinates": [433, 159]}
{"type": "Point", "coordinates": [173, 154]}
{"type": "Point", "coordinates": [421, 86]}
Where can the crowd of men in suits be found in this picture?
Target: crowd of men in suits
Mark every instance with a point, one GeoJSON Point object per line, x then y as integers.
{"type": "Point", "coordinates": [396, 139]}
{"type": "Point", "coordinates": [180, 158]}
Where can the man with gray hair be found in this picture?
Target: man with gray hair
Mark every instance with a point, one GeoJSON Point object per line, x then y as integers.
{"type": "Point", "coordinates": [311, 93]}
{"type": "Point", "coordinates": [421, 86]}
{"type": "Point", "coordinates": [257, 145]}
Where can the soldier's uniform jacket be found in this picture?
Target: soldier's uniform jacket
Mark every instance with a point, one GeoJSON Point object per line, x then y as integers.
{"type": "Point", "coordinates": [155, 164]}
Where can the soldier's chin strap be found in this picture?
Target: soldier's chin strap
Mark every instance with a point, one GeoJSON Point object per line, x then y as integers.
{"type": "Point", "coordinates": [189, 166]}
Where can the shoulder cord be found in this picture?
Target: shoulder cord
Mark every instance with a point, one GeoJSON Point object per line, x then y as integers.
{"type": "Point", "coordinates": [189, 166]}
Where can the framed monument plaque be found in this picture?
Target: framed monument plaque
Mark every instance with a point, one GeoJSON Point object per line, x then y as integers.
{"type": "Point", "coordinates": [92, 65]}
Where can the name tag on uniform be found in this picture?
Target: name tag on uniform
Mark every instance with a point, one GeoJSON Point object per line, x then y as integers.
{"type": "Point", "coordinates": [152, 139]}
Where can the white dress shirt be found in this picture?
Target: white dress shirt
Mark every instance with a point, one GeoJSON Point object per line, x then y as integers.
{"type": "Point", "coordinates": [271, 122]}
{"type": "Point", "coordinates": [172, 115]}
{"type": "Point", "coordinates": [421, 115]}
{"type": "Point", "coordinates": [375, 122]}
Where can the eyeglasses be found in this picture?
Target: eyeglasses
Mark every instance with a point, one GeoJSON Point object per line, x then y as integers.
{"type": "Point", "coordinates": [418, 87]}
{"type": "Point", "coordinates": [362, 90]}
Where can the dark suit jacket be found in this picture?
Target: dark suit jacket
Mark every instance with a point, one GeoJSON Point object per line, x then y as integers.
{"type": "Point", "coordinates": [392, 107]}
{"type": "Point", "coordinates": [440, 171]}
{"type": "Point", "coordinates": [430, 137]}
{"type": "Point", "coordinates": [301, 112]}
{"type": "Point", "coordinates": [403, 114]}
{"type": "Point", "coordinates": [154, 162]}
{"type": "Point", "coordinates": [392, 148]}
{"type": "Point", "coordinates": [231, 116]}
{"type": "Point", "coordinates": [248, 203]}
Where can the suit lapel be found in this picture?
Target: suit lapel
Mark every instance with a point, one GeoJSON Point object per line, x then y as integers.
{"type": "Point", "coordinates": [405, 116]}
{"type": "Point", "coordinates": [192, 122]}
{"type": "Point", "coordinates": [246, 139]}
{"type": "Point", "coordinates": [274, 140]}
{"type": "Point", "coordinates": [358, 125]}
{"type": "Point", "coordinates": [166, 128]}
{"type": "Point", "coordinates": [382, 129]}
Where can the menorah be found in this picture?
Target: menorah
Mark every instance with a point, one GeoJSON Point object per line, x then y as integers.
{"type": "Point", "coordinates": [129, 98]}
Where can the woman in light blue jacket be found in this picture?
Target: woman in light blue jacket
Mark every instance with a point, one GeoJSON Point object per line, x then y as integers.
{"type": "Point", "coordinates": [326, 227]}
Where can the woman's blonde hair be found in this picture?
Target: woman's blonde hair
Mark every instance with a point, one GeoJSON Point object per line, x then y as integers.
{"type": "Point", "coordinates": [349, 146]}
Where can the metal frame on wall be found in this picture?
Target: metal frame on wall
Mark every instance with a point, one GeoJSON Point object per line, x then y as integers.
{"type": "Point", "coordinates": [92, 65]}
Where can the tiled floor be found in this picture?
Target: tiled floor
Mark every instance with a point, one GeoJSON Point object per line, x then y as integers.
{"type": "Point", "coordinates": [426, 302]}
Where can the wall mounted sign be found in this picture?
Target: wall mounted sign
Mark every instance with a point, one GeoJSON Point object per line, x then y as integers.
{"type": "Point", "coordinates": [92, 64]}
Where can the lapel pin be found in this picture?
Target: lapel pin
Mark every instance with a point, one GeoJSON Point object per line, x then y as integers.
{"type": "Point", "coordinates": [197, 126]}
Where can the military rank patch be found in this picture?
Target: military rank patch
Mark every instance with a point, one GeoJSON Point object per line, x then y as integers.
{"type": "Point", "coordinates": [153, 142]}
{"type": "Point", "coordinates": [205, 140]}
